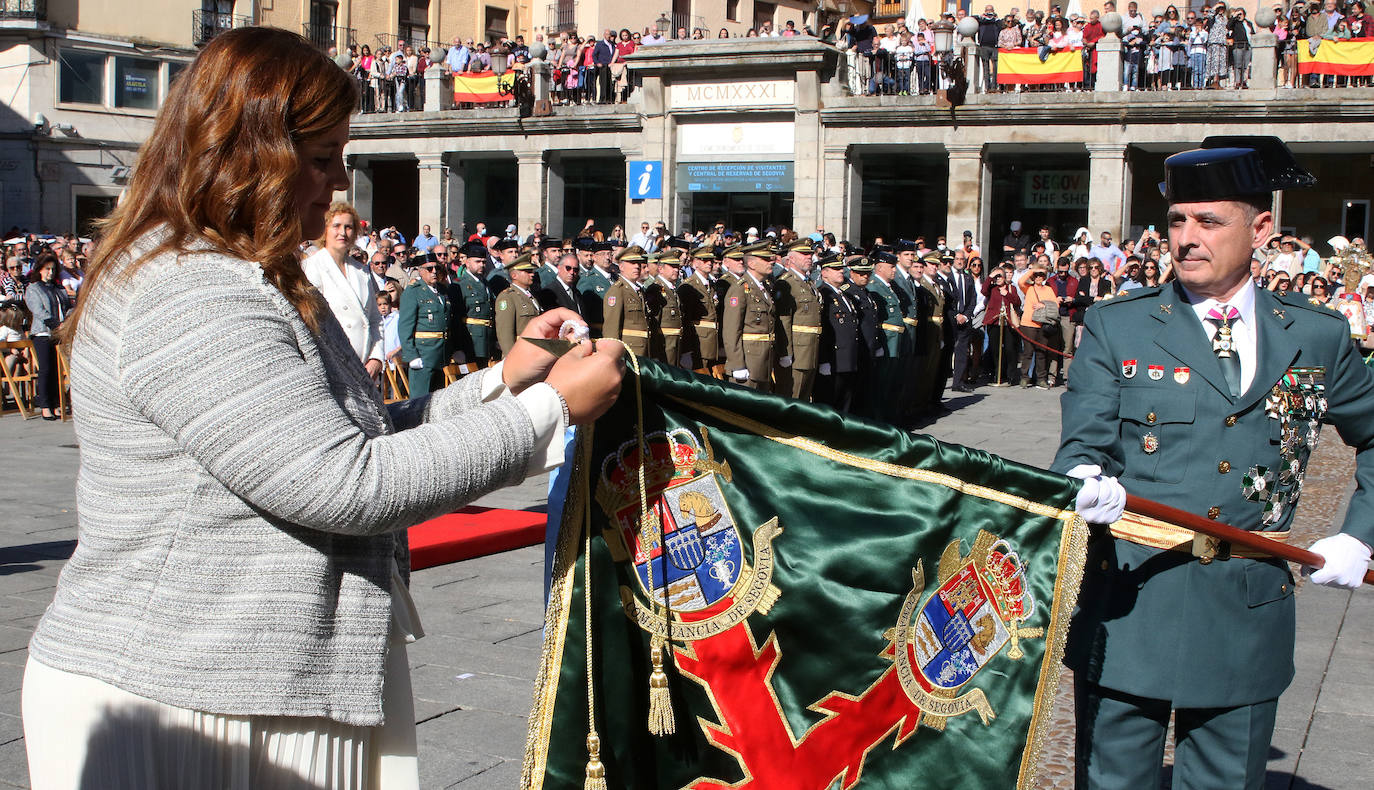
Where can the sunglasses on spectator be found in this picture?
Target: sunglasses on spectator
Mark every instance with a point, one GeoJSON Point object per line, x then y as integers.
{"type": "Point", "coordinates": [428, 267]}
{"type": "Point", "coordinates": [568, 268]}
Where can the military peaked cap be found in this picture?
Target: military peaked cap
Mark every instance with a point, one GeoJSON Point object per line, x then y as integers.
{"type": "Point", "coordinates": [1232, 167]}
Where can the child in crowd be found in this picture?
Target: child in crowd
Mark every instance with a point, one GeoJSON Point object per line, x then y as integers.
{"type": "Point", "coordinates": [904, 56]}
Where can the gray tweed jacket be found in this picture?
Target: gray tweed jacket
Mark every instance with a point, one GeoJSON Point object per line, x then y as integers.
{"type": "Point", "coordinates": [242, 492]}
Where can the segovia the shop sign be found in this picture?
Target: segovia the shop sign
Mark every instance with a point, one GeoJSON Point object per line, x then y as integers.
{"type": "Point", "coordinates": [1056, 189]}
{"type": "Point", "coordinates": [734, 94]}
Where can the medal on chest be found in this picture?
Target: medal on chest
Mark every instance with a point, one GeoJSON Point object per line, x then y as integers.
{"type": "Point", "coordinates": [1222, 342]}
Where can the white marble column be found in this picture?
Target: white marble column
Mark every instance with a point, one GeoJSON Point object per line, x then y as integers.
{"type": "Point", "coordinates": [835, 175]}
{"type": "Point", "coordinates": [965, 191]}
{"type": "Point", "coordinates": [1108, 185]}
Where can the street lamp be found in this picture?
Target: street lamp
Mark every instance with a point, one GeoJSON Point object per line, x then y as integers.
{"type": "Point", "coordinates": [663, 24]}
{"type": "Point", "coordinates": [944, 35]}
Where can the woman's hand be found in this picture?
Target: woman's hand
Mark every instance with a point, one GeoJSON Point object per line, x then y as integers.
{"type": "Point", "coordinates": [527, 363]}
{"type": "Point", "coordinates": [588, 378]}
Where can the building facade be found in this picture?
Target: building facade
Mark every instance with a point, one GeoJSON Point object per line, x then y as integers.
{"type": "Point", "coordinates": [765, 132]}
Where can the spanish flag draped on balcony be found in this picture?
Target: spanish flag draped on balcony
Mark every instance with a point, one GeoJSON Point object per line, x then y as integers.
{"type": "Point", "coordinates": [481, 86]}
{"type": "Point", "coordinates": [1022, 66]}
{"type": "Point", "coordinates": [1343, 58]}
{"type": "Point", "coordinates": [755, 592]}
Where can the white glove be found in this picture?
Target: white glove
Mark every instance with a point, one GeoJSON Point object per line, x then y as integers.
{"type": "Point", "coordinates": [417, 363]}
{"type": "Point", "coordinates": [824, 369]}
{"type": "Point", "coordinates": [1101, 500]}
{"type": "Point", "coordinates": [786, 361]}
{"type": "Point", "coordinates": [740, 375]}
{"type": "Point", "coordinates": [1085, 471]}
{"type": "Point", "coordinates": [686, 360]}
{"type": "Point", "coordinates": [1347, 559]}
{"type": "Point", "coordinates": [575, 331]}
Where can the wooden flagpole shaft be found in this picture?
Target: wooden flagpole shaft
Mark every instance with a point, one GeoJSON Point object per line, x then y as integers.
{"type": "Point", "coordinates": [1226, 532]}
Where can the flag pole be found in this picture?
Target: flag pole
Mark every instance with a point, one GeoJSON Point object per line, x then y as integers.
{"type": "Point", "coordinates": [1240, 537]}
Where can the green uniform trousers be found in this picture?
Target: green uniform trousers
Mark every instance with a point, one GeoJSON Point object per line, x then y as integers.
{"type": "Point", "coordinates": [1121, 742]}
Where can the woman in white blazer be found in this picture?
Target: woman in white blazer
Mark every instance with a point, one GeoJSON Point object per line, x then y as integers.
{"type": "Point", "coordinates": [346, 285]}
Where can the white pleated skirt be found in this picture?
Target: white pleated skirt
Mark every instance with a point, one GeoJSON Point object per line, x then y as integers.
{"type": "Point", "coordinates": [85, 734]}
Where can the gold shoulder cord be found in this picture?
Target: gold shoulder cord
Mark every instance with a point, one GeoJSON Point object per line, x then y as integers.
{"type": "Point", "coordinates": [596, 770]}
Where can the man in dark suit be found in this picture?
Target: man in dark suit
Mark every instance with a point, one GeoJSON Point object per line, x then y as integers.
{"type": "Point", "coordinates": [561, 290]}
{"type": "Point", "coordinates": [603, 55]}
{"type": "Point", "coordinates": [963, 304]}
{"type": "Point", "coordinates": [1206, 393]}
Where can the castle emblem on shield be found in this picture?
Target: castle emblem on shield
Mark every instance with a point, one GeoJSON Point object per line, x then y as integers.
{"type": "Point", "coordinates": [686, 546]}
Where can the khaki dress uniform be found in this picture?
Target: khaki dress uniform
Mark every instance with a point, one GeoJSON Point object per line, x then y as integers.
{"type": "Point", "coordinates": [701, 313]}
{"type": "Point", "coordinates": [627, 317]}
{"type": "Point", "coordinates": [799, 314]}
{"type": "Point", "coordinates": [667, 306]}
{"type": "Point", "coordinates": [749, 332]}
{"type": "Point", "coordinates": [514, 309]}
{"type": "Point", "coordinates": [932, 333]}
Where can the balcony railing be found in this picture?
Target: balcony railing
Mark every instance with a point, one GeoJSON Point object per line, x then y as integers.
{"type": "Point", "coordinates": [689, 22]}
{"type": "Point", "coordinates": [205, 25]}
{"type": "Point", "coordinates": [562, 16]}
{"type": "Point", "coordinates": [326, 36]}
{"type": "Point", "coordinates": [24, 9]}
{"type": "Point", "coordinates": [885, 9]}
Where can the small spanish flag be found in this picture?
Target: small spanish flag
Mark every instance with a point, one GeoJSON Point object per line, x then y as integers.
{"type": "Point", "coordinates": [482, 86]}
{"type": "Point", "coordinates": [1349, 58]}
{"type": "Point", "coordinates": [1023, 66]}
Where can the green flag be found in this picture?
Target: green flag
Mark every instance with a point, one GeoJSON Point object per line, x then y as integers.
{"type": "Point", "coordinates": [784, 597]}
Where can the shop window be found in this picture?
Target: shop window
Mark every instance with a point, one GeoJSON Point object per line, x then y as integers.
{"type": "Point", "coordinates": [136, 83]}
{"type": "Point", "coordinates": [81, 77]}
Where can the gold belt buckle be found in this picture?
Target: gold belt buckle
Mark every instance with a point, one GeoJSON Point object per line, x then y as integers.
{"type": "Point", "coordinates": [1207, 548]}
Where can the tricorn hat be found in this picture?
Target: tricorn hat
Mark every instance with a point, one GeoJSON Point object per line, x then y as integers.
{"type": "Point", "coordinates": [1232, 167]}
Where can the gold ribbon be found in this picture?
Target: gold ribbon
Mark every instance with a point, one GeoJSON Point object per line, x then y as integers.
{"type": "Point", "coordinates": [1157, 534]}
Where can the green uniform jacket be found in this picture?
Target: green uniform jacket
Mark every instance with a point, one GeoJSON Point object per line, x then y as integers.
{"type": "Point", "coordinates": [890, 315]}
{"type": "Point", "coordinates": [591, 293]}
{"type": "Point", "coordinates": [748, 310]}
{"type": "Point", "coordinates": [1160, 623]}
{"type": "Point", "coordinates": [627, 317]}
{"type": "Point", "coordinates": [514, 309]}
{"type": "Point", "coordinates": [799, 305]}
{"type": "Point", "coordinates": [915, 310]}
{"type": "Point", "coordinates": [473, 332]}
{"type": "Point", "coordinates": [422, 310]}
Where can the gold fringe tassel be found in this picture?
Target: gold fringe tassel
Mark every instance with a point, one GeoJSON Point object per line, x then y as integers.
{"type": "Point", "coordinates": [596, 770]}
{"type": "Point", "coordinates": [660, 701]}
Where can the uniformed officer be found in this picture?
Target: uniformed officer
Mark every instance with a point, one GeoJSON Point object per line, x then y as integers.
{"type": "Point", "coordinates": [472, 335]}
{"type": "Point", "coordinates": [550, 249]}
{"type": "Point", "coordinates": [887, 379]}
{"type": "Point", "coordinates": [871, 316]}
{"type": "Point", "coordinates": [583, 246]}
{"type": "Point", "coordinates": [841, 345]}
{"type": "Point", "coordinates": [1207, 394]}
{"type": "Point", "coordinates": [592, 286]}
{"type": "Point", "coordinates": [626, 314]}
{"type": "Point", "coordinates": [917, 307]}
{"type": "Point", "coordinates": [799, 316]}
{"type": "Point", "coordinates": [748, 320]}
{"type": "Point", "coordinates": [422, 326]}
{"type": "Point", "coordinates": [931, 378]}
{"type": "Point", "coordinates": [516, 305]}
{"type": "Point", "coordinates": [732, 263]}
{"type": "Point", "coordinates": [701, 312]}
{"type": "Point", "coordinates": [506, 250]}
{"type": "Point", "coordinates": [663, 292]}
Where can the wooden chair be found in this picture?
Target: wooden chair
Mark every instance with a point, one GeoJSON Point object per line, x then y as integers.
{"type": "Point", "coordinates": [20, 385]}
{"type": "Point", "coordinates": [64, 383]}
{"type": "Point", "coordinates": [451, 374]}
{"type": "Point", "coordinates": [395, 387]}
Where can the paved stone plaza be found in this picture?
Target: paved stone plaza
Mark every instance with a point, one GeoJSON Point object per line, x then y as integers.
{"type": "Point", "coordinates": [474, 670]}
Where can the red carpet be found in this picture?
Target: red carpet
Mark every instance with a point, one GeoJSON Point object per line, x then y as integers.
{"type": "Point", "coordinates": [473, 532]}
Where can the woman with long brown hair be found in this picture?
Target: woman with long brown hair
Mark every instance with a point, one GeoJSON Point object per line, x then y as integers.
{"type": "Point", "coordinates": [235, 613]}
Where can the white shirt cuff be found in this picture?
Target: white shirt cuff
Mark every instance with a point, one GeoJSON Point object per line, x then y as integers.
{"type": "Point", "coordinates": [545, 408]}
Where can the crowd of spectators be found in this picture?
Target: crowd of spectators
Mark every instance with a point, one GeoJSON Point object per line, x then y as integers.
{"type": "Point", "coordinates": [38, 287]}
{"type": "Point", "coordinates": [1207, 48]}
